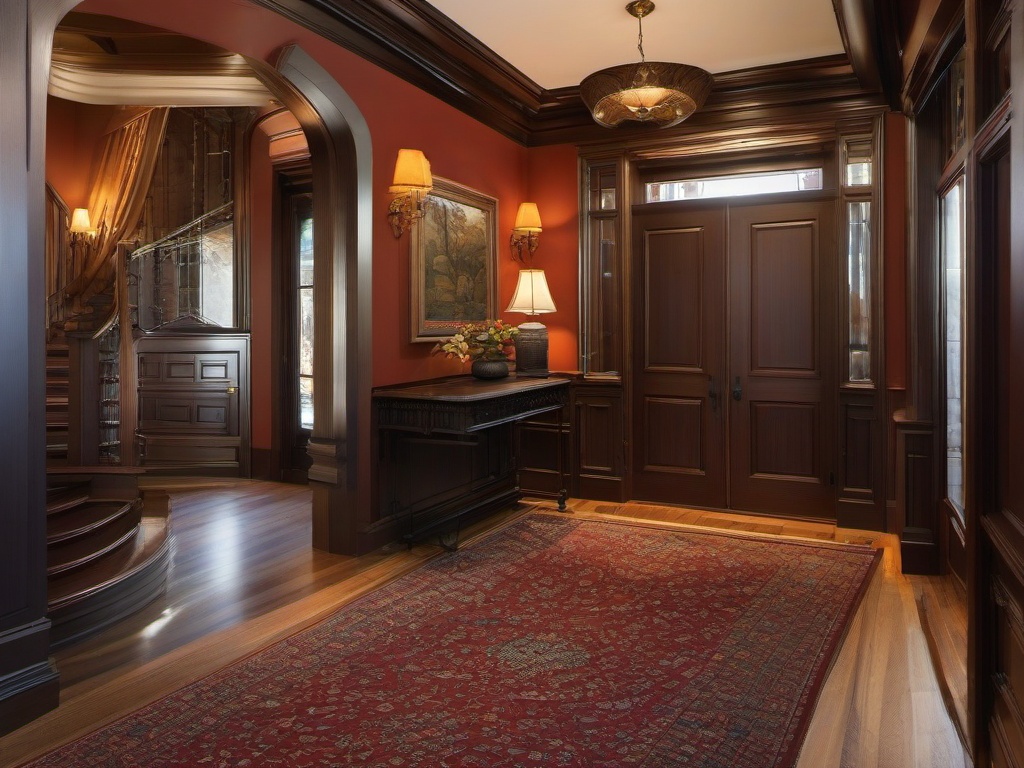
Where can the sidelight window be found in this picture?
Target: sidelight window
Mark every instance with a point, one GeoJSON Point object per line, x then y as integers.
{"type": "Point", "coordinates": [858, 194]}
{"type": "Point", "coordinates": [858, 273]}
{"type": "Point", "coordinates": [602, 347]}
{"type": "Point", "coordinates": [953, 250]}
{"type": "Point", "coordinates": [304, 309]}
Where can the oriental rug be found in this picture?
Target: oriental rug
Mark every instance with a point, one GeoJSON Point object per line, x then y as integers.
{"type": "Point", "coordinates": [552, 642]}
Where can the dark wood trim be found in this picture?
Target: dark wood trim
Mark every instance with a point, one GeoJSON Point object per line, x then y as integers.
{"type": "Point", "coordinates": [869, 31]}
{"type": "Point", "coordinates": [945, 38]}
{"type": "Point", "coordinates": [416, 42]}
{"type": "Point", "coordinates": [341, 158]}
{"type": "Point", "coordinates": [29, 683]}
{"type": "Point", "coordinates": [28, 680]}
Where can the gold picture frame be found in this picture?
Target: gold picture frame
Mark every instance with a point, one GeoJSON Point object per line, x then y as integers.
{"type": "Point", "coordinates": [453, 252]}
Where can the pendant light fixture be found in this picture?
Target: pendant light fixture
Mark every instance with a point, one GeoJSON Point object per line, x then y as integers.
{"type": "Point", "coordinates": [654, 92]}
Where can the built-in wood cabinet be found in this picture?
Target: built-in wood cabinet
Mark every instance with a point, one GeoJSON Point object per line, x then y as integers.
{"type": "Point", "coordinates": [590, 438]}
{"type": "Point", "coordinates": [193, 403]}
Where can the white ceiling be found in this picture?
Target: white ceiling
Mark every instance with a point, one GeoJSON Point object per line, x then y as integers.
{"type": "Point", "coordinates": [557, 43]}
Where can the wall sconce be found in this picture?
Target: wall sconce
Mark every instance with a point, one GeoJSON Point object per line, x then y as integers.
{"type": "Point", "coordinates": [532, 297]}
{"type": "Point", "coordinates": [81, 228]}
{"type": "Point", "coordinates": [411, 185]}
{"type": "Point", "coordinates": [526, 232]}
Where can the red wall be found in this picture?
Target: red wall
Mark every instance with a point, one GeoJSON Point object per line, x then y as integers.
{"type": "Point", "coordinates": [398, 115]}
{"type": "Point", "coordinates": [553, 184]}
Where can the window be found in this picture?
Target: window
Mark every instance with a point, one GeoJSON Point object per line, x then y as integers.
{"type": "Point", "coordinates": [858, 250]}
{"type": "Point", "coordinates": [952, 246]}
{"type": "Point", "coordinates": [304, 331]}
{"type": "Point", "coordinates": [602, 269]}
{"type": "Point", "coordinates": [770, 182]}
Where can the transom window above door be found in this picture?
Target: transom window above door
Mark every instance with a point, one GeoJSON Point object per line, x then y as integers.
{"type": "Point", "coordinates": [736, 185]}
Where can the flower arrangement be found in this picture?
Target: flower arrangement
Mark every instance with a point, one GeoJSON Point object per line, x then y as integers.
{"type": "Point", "coordinates": [489, 340]}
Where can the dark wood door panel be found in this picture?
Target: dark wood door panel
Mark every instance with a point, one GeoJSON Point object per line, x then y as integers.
{"type": "Point", "coordinates": [784, 440]}
{"type": "Point", "coordinates": [782, 339]}
{"type": "Point", "coordinates": [783, 316]}
{"type": "Point", "coordinates": [193, 402]}
{"type": "Point", "coordinates": [217, 414]}
{"type": "Point", "coordinates": [673, 320]}
{"type": "Point", "coordinates": [187, 369]}
{"type": "Point", "coordinates": [679, 348]}
{"type": "Point", "coordinates": [675, 439]}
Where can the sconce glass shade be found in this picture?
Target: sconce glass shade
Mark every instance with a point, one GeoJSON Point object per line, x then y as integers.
{"type": "Point", "coordinates": [526, 232]}
{"type": "Point", "coordinates": [655, 92]}
{"type": "Point", "coordinates": [527, 219]}
{"type": "Point", "coordinates": [411, 185]}
{"type": "Point", "coordinates": [532, 296]}
{"type": "Point", "coordinates": [80, 221]}
{"type": "Point", "coordinates": [412, 172]}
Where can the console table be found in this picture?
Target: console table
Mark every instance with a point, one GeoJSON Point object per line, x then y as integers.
{"type": "Point", "coordinates": [447, 447]}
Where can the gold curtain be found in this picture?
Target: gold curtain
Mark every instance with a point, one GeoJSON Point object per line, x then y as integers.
{"type": "Point", "coordinates": [116, 202]}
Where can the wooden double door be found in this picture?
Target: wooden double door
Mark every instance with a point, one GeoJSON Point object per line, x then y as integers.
{"type": "Point", "coordinates": [735, 344]}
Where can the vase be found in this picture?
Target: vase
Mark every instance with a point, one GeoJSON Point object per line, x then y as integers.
{"type": "Point", "coordinates": [490, 369]}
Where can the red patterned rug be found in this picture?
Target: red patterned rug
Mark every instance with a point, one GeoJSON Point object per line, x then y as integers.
{"type": "Point", "coordinates": [553, 642]}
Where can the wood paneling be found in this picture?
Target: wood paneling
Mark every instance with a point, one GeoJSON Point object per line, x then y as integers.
{"type": "Point", "coordinates": [674, 437]}
{"type": "Point", "coordinates": [680, 314]}
{"type": "Point", "coordinates": [858, 426]}
{"type": "Point", "coordinates": [782, 375]}
{"type": "Point", "coordinates": [784, 437]}
{"type": "Point", "coordinates": [783, 297]}
{"type": "Point", "coordinates": [540, 439]}
{"type": "Point", "coordinates": [995, 423]}
{"type": "Point", "coordinates": [861, 477]}
{"type": "Point", "coordinates": [192, 403]}
{"type": "Point", "coordinates": [599, 461]}
{"type": "Point", "coordinates": [673, 323]}
{"type": "Point", "coordinates": [28, 680]}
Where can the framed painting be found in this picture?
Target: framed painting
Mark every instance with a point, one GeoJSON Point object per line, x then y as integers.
{"type": "Point", "coordinates": [454, 274]}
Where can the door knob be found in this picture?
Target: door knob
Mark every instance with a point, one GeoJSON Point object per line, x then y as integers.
{"type": "Point", "coordinates": [737, 390]}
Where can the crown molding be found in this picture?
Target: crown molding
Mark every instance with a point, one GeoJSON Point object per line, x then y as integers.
{"type": "Point", "coordinates": [413, 40]}
{"type": "Point", "coordinates": [193, 80]}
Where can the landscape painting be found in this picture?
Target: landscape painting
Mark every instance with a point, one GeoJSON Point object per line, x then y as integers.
{"type": "Point", "coordinates": [453, 269]}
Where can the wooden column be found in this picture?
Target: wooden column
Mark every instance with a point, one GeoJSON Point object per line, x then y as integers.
{"type": "Point", "coordinates": [28, 679]}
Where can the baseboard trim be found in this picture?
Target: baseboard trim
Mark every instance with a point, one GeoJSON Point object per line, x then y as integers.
{"type": "Point", "coordinates": [30, 685]}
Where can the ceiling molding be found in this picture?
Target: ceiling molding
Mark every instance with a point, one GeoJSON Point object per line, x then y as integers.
{"type": "Point", "coordinates": [870, 36]}
{"type": "Point", "coordinates": [414, 41]}
{"type": "Point", "coordinates": [185, 80]}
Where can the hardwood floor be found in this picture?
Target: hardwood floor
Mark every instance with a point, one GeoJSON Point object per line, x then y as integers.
{"type": "Point", "coordinates": [243, 575]}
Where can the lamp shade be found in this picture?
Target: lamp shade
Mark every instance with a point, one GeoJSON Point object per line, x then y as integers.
{"type": "Point", "coordinates": [532, 296]}
{"type": "Point", "coordinates": [655, 92]}
{"type": "Point", "coordinates": [80, 221]}
{"type": "Point", "coordinates": [528, 218]}
{"type": "Point", "coordinates": [412, 172]}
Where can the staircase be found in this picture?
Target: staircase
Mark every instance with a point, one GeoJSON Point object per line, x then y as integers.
{"type": "Point", "coordinates": [57, 385]}
{"type": "Point", "coordinates": [108, 549]}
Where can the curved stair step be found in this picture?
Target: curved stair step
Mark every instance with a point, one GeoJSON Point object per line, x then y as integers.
{"type": "Point", "coordinates": [93, 546]}
{"type": "Point", "coordinates": [87, 600]}
{"type": "Point", "coordinates": [83, 518]}
{"type": "Point", "coordinates": [60, 499]}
